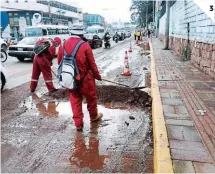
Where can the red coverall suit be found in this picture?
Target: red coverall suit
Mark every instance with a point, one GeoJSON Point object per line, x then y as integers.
{"type": "Point", "coordinates": [89, 72]}
{"type": "Point", "coordinates": [43, 64]}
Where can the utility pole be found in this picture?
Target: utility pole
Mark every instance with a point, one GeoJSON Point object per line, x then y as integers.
{"type": "Point", "coordinates": [167, 25]}
{"type": "Point", "coordinates": [147, 15]}
{"type": "Point", "coordinates": [153, 12]}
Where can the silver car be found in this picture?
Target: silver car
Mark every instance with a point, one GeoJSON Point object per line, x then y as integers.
{"type": "Point", "coordinates": [24, 48]}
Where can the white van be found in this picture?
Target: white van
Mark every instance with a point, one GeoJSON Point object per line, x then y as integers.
{"type": "Point", "coordinates": [24, 48]}
{"type": "Point", "coordinates": [97, 30]}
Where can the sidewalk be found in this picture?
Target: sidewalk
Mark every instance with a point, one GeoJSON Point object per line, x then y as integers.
{"type": "Point", "coordinates": [188, 102]}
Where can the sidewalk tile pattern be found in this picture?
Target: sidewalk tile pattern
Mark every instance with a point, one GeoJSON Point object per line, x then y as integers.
{"type": "Point", "coordinates": [188, 98]}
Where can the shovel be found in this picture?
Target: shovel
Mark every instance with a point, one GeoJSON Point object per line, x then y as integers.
{"type": "Point", "coordinates": [120, 84]}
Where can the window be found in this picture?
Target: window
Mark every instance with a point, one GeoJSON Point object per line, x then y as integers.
{"type": "Point", "coordinates": [27, 14]}
{"type": "Point", "coordinates": [101, 30]}
{"type": "Point", "coordinates": [11, 21]}
{"type": "Point", "coordinates": [33, 32]}
{"type": "Point", "coordinates": [62, 31]}
{"type": "Point", "coordinates": [28, 21]}
{"type": "Point", "coordinates": [15, 14]}
{"type": "Point", "coordinates": [28, 41]}
{"type": "Point", "coordinates": [52, 31]}
{"type": "Point", "coordinates": [44, 32]}
{"type": "Point", "coordinates": [10, 14]}
{"type": "Point", "coordinates": [16, 21]}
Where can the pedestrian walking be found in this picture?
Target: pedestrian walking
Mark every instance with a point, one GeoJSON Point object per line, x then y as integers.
{"type": "Point", "coordinates": [88, 72]}
{"type": "Point", "coordinates": [43, 62]}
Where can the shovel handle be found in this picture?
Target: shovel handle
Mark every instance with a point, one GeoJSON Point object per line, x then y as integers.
{"type": "Point", "coordinates": [54, 73]}
{"type": "Point", "coordinates": [115, 82]}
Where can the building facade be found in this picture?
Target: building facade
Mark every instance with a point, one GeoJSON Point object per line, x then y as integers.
{"type": "Point", "coordinates": [192, 34]}
{"type": "Point", "coordinates": [16, 15]}
{"type": "Point", "coordinates": [93, 19]}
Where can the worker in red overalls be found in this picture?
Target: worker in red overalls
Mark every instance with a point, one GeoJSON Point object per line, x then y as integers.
{"type": "Point", "coordinates": [43, 64]}
{"type": "Point", "coordinates": [89, 72]}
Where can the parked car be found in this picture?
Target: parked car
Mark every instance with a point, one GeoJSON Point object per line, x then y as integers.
{"type": "Point", "coordinates": [3, 44]}
{"type": "Point", "coordinates": [24, 48]}
{"type": "Point", "coordinates": [3, 77]}
{"type": "Point", "coordinates": [94, 40]}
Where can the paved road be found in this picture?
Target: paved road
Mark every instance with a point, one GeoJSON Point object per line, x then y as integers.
{"type": "Point", "coordinates": [20, 72]}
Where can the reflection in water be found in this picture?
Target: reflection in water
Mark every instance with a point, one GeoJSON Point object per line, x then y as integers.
{"type": "Point", "coordinates": [88, 157]}
{"type": "Point", "coordinates": [48, 111]}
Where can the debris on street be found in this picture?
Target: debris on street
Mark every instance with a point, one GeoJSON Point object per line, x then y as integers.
{"type": "Point", "coordinates": [111, 94]}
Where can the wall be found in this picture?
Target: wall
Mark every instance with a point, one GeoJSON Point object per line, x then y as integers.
{"type": "Point", "coordinates": [33, 6]}
{"type": "Point", "coordinates": [202, 34]}
{"type": "Point", "coordinates": [162, 23]}
{"type": "Point", "coordinates": [4, 20]}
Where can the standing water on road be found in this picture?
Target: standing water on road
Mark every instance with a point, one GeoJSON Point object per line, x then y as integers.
{"type": "Point", "coordinates": [45, 139]}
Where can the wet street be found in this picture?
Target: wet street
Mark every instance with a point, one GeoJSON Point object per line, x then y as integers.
{"type": "Point", "coordinates": [39, 136]}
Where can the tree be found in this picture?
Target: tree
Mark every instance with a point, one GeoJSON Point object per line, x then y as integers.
{"type": "Point", "coordinates": [142, 11]}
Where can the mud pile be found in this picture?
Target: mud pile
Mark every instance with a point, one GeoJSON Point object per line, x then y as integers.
{"type": "Point", "coordinates": [113, 95]}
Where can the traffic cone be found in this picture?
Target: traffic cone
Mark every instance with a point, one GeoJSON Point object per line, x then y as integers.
{"type": "Point", "coordinates": [130, 49]}
{"type": "Point", "coordinates": [126, 69]}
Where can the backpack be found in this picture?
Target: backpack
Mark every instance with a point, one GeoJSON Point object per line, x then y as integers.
{"type": "Point", "coordinates": [68, 73]}
{"type": "Point", "coordinates": [41, 48]}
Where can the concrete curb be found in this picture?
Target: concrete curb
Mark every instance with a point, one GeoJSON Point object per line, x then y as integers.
{"type": "Point", "coordinates": [162, 157]}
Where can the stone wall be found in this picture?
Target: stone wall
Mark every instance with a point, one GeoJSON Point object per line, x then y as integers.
{"type": "Point", "coordinates": [201, 36]}
{"type": "Point", "coordinates": [202, 55]}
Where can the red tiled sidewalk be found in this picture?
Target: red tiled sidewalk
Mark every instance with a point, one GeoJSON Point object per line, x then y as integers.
{"type": "Point", "coordinates": [188, 98]}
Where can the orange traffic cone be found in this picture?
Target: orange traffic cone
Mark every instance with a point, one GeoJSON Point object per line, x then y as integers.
{"type": "Point", "coordinates": [126, 69]}
{"type": "Point", "coordinates": [130, 49]}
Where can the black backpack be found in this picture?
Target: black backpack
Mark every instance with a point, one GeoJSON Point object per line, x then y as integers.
{"type": "Point", "coordinates": [41, 48]}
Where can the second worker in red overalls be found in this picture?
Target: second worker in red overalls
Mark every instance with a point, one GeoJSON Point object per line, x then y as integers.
{"type": "Point", "coordinates": [43, 64]}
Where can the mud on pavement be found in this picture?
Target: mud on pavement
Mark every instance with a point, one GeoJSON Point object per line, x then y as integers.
{"type": "Point", "coordinates": [109, 95]}
{"type": "Point", "coordinates": [43, 139]}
